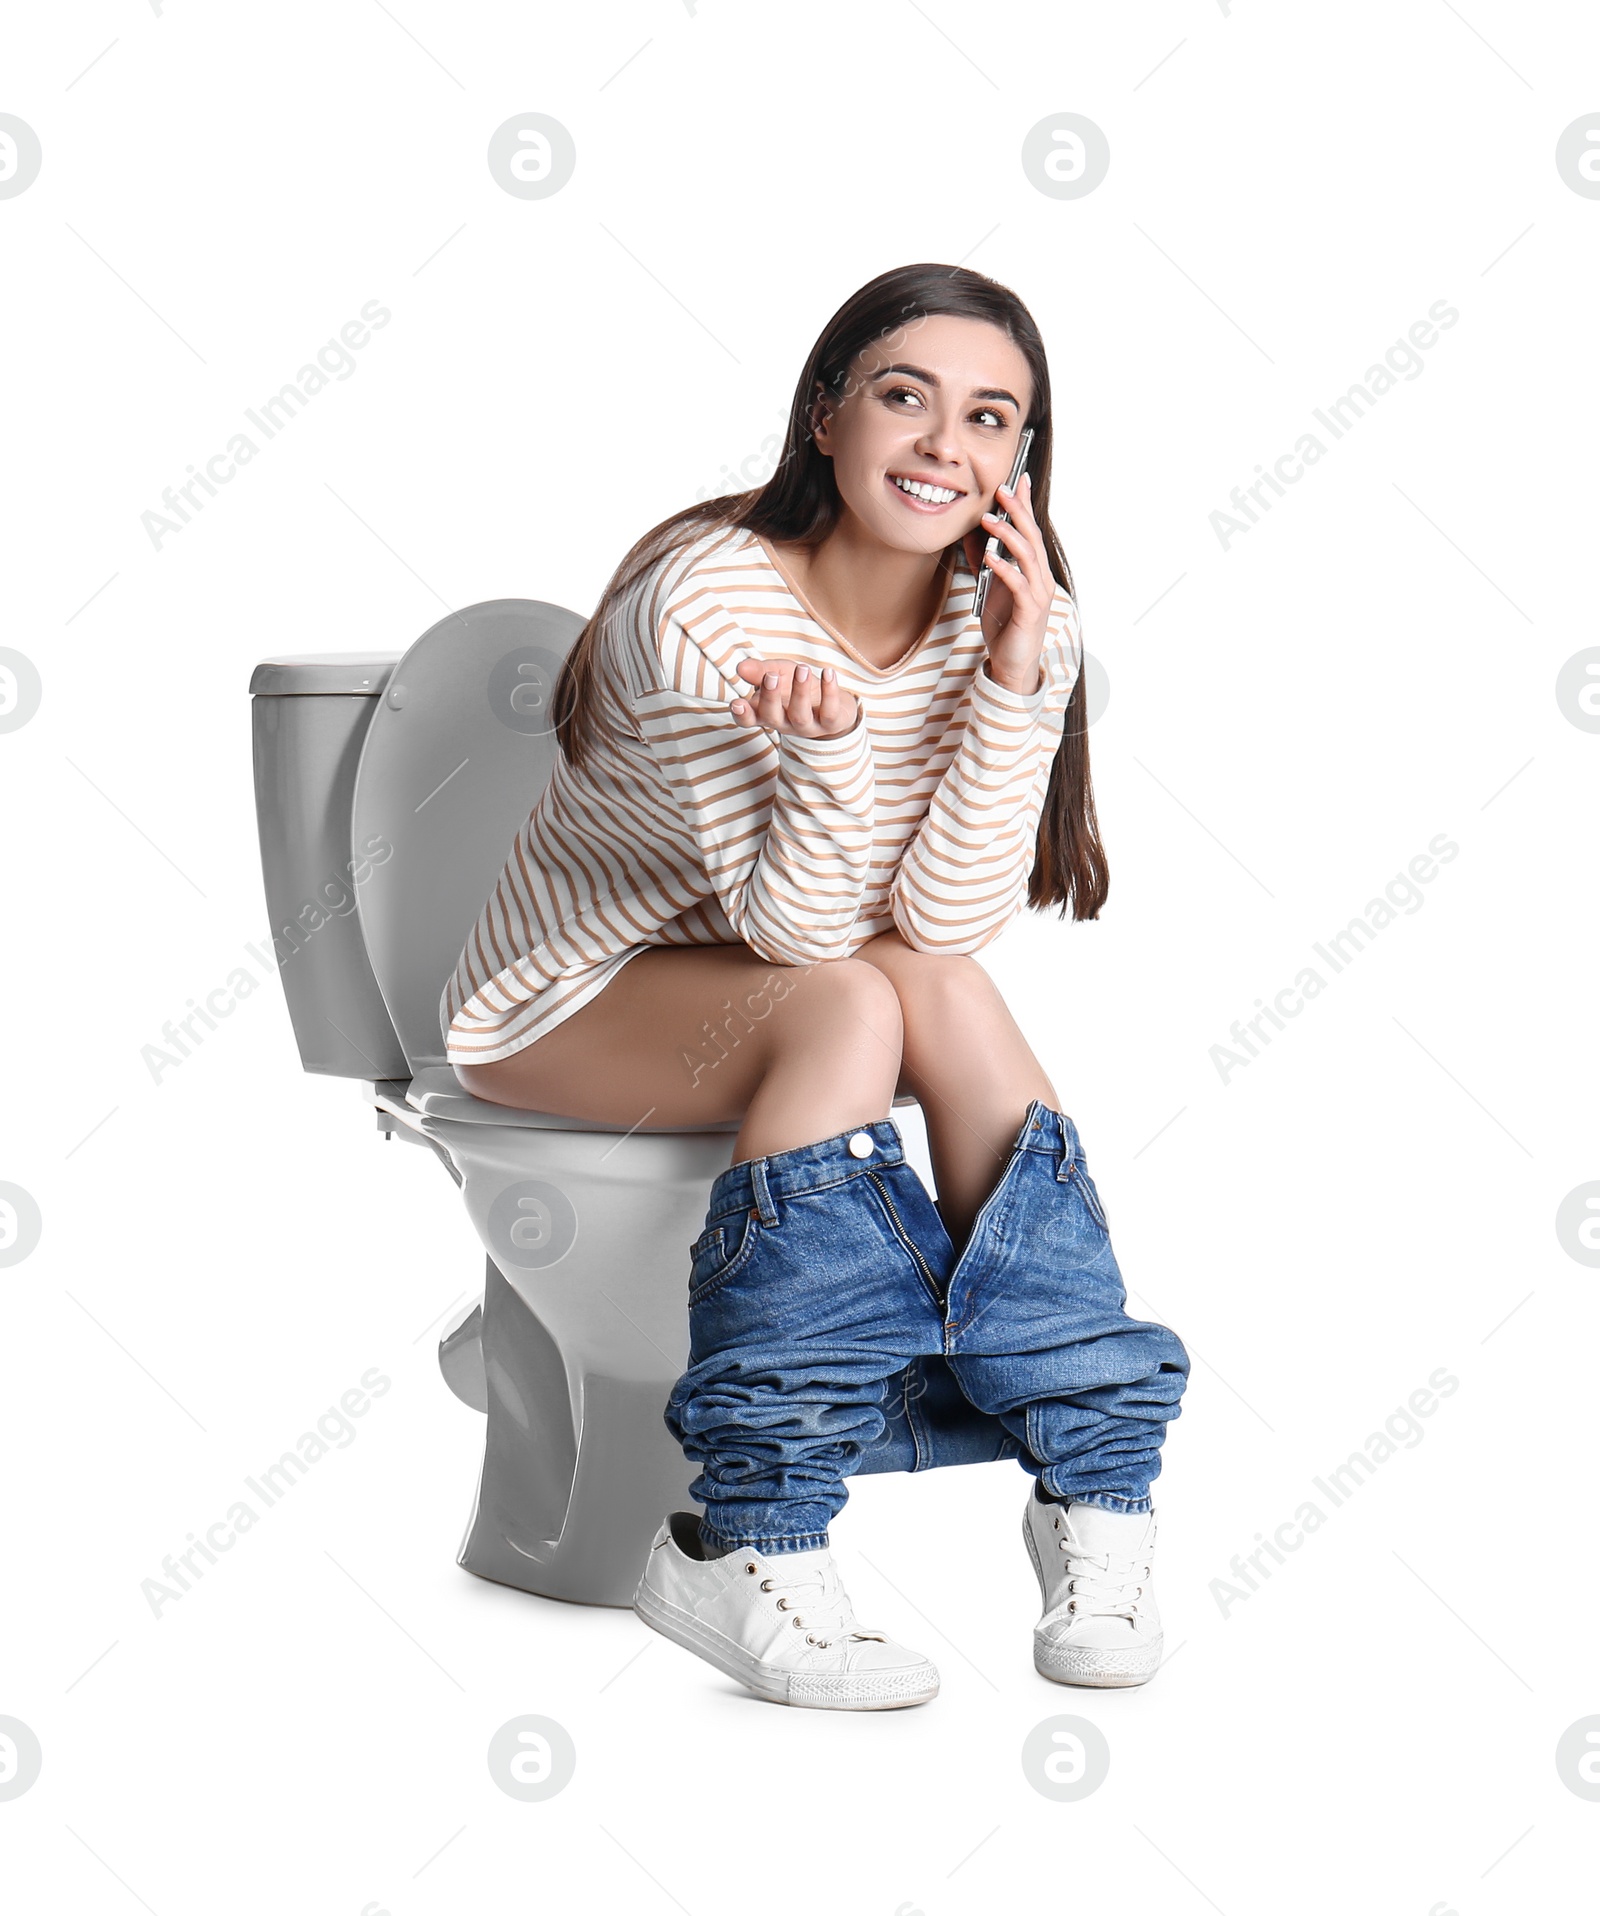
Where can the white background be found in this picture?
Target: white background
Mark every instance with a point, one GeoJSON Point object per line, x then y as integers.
{"type": "Point", "coordinates": [1290, 721]}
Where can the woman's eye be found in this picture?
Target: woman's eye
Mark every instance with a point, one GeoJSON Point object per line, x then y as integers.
{"type": "Point", "coordinates": [986, 415]}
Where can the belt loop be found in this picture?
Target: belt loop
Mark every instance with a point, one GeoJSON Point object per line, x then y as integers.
{"type": "Point", "coordinates": [759, 1193]}
{"type": "Point", "coordinates": [1065, 1155]}
{"type": "Point", "coordinates": [1072, 1141]}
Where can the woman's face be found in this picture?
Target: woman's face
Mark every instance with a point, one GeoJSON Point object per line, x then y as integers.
{"type": "Point", "coordinates": [939, 403]}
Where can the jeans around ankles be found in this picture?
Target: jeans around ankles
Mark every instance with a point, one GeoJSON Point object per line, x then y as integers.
{"type": "Point", "coordinates": [1037, 1336]}
{"type": "Point", "coordinates": [810, 1290]}
{"type": "Point", "coordinates": [833, 1330]}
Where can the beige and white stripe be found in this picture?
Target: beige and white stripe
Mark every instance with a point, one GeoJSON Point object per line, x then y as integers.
{"type": "Point", "coordinates": [688, 829]}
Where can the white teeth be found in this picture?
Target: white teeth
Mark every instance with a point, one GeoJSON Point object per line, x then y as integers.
{"type": "Point", "coordinates": [935, 495]}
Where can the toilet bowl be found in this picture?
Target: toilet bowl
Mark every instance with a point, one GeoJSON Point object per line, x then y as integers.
{"type": "Point", "coordinates": [389, 788]}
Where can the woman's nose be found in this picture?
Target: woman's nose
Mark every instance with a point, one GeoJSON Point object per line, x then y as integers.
{"type": "Point", "coordinates": [939, 442]}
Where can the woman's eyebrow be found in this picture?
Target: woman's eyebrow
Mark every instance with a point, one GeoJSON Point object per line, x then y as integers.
{"type": "Point", "coordinates": [932, 379]}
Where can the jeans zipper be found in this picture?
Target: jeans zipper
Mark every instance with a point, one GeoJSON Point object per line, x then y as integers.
{"type": "Point", "coordinates": [922, 1265]}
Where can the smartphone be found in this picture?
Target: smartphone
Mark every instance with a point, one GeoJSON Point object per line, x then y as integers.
{"type": "Point", "coordinates": [1019, 465]}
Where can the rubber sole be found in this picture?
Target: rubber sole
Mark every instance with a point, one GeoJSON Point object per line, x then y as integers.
{"type": "Point", "coordinates": [1087, 1668]}
{"type": "Point", "coordinates": [1096, 1669]}
{"type": "Point", "coordinates": [805, 1690]}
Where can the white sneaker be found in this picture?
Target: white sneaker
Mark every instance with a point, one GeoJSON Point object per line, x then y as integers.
{"type": "Point", "coordinates": [781, 1624]}
{"type": "Point", "coordinates": [1100, 1625]}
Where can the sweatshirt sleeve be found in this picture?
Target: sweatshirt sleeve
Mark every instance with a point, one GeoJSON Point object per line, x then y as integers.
{"type": "Point", "coordinates": [964, 875]}
{"type": "Point", "coordinates": [784, 825]}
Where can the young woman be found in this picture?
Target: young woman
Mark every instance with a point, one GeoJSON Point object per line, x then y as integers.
{"type": "Point", "coordinates": [800, 787]}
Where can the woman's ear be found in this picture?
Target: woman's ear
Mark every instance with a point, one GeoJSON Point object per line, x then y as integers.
{"type": "Point", "coordinates": [819, 420]}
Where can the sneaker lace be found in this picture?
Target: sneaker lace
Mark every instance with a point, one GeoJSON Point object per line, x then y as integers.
{"type": "Point", "coordinates": [822, 1604]}
{"type": "Point", "coordinates": [1103, 1586]}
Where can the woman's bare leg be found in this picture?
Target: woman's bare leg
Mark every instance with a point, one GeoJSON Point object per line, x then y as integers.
{"type": "Point", "coordinates": [967, 1064]}
{"type": "Point", "coordinates": [699, 1034]}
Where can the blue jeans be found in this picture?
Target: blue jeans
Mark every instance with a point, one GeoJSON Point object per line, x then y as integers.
{"type": "Point", "coordinates": [832, 1329]}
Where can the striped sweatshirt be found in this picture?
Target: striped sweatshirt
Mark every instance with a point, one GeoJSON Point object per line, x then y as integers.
{"type": "Point", "coordinates": [686, 828]}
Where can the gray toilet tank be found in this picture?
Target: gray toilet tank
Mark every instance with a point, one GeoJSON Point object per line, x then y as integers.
{"type": "Point", "coordinates": [311, 715]}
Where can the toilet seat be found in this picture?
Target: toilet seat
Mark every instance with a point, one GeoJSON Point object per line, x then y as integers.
{"type": "Point", "coordinates": [437, 1092]}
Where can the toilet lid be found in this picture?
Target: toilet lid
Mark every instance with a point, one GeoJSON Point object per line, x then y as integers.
{"type": "Point", "coordinates": [459, 749]}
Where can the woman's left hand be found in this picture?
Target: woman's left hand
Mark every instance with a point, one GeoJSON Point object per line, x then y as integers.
{"type": "Point", "coordinates": [1021, 592]}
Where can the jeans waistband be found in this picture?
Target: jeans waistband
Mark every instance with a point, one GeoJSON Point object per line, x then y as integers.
{"type": "Point", "coordinates": [1053, 1134]}
{"type": "Point", "coordinates": [758, 1183]}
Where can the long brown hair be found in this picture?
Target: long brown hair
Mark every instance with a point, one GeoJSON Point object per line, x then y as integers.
{"type": "Point", "coordinates": [800, 504]}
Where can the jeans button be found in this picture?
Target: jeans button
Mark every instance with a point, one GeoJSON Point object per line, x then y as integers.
{"type": "Point", "coordinates": [861, 1145]}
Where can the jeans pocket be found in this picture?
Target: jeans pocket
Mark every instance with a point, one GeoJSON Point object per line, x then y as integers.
{"type": "Point", "coordinates": [717, 1252]}
{"type": "Point", "coordinates": [1091, 1197]}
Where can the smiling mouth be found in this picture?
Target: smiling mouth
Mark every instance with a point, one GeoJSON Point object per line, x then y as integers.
{"type": "Point", "coordinates": [922, 494]}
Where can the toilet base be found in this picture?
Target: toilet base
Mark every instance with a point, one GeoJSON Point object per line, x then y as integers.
{"type": "Point", "coordinates": [558, 1513]}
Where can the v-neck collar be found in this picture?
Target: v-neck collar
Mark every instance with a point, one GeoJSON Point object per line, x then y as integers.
{"type": "Point", "coordinates": [792, 587]}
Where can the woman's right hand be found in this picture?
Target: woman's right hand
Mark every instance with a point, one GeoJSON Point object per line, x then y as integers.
{"type": "Point", "coordinates": [791, 697]}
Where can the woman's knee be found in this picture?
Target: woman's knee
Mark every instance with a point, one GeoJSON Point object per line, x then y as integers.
{"type": "Point", "coordinates": [954, 1019]}
{"type": "Point", "coordinates": [933, 988]}
{"type": "Point", "coordinates": [842, 1001]}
